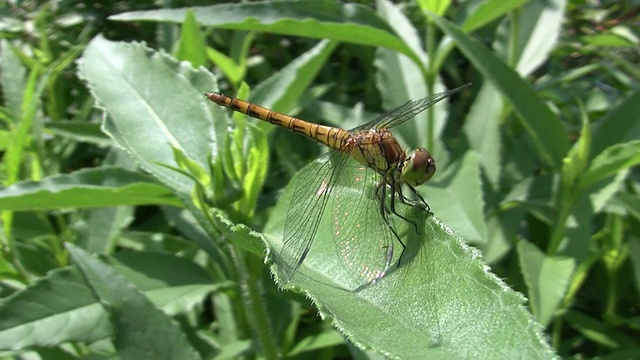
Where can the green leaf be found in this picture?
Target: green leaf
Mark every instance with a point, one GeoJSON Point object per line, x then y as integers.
{"type": "Point", "coordinates": [618, 126]}
{"type": "Point", "coordinates": [99, 229]}
{"type": "Point", "coordinates": [150, 97]}
{"type": "Point", "coordinates": [578, 230]}
{"type": "Point", "coordinates": [536, 117]}
{"type": "Point", "coordinates": [598, 331]}
{"type": "Point", "coordinates": [634, 250]}
{"type": "Point", "coordinates": [399, 80]}
{"type": "Point", "coordinates": [256, 172]}
{"type": "Point", "coordinates": [482, 128]}
{"type": "Point", "coordinates": [155, 273]}
{"type": "Point", "coordinates": [140, 329]}
{"type": "Point", "coordinates": [392, 14]}
{"type": "Point", "coordinates": [612, 160]}
{"type": "Point", "coordinates": [576, 161]}
{"type": "Point", "coordinates": [80, 131]}
{"type": "Point", "coordinates": [60, 317]}
{"type": "Point", "coordinates": [439, 303]}
{"type": "Point", "coordinates": [539, 28]}
{"type": "Point", "coordinates": [547, 278]}
{"type": "Point", "coordinates": [488, 11]}
{"type": "Point", "coordinates": [95, 187]}
{"type": "Point", "coordinates": [437, 6]}
{"type": "Point", "coordinates": [318, 19]}
{"type": "Point", "coordinates": [192, 46]}
{"type": "Point", "coordinates": [240, 235]}
{"type": "Point", "coordinates": [608, 39]}
{"type": "Point", "coordinates": [234, 72]}
{"type": "Point", "coordinates": [13, 77]}
{"type": "Point", "coordinates": [48, 306]}
{"type": "Point", "coordinates": [631, 204]}
{"type": "Point", "coordinates": [323, 340]}
{"type": "Point", "coordinates": [455, 197]}
{"type": "Point", "coordinates": [284, 89]}
{"type": "Point", "coordinates": [234, 349]}
{"type": "Point", "coordinates": [27, 117]}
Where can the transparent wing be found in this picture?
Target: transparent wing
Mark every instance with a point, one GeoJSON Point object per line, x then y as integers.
{"type": "Point", "coordinates": [364, 241]}
{"type": "Point", "coordinates": [313, 187]}
{"type": "Point", "coordinates": [407, 111]}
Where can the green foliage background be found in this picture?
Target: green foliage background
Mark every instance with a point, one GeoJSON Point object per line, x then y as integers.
{"type": "Point", "coordinates": [137, 216]}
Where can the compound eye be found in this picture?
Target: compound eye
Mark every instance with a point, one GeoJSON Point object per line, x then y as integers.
{"type": "Point", "coordinates": [419, 167]}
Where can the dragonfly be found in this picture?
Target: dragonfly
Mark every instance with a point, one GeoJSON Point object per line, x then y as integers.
{"type": "Point", "coordinates": [363, 158]}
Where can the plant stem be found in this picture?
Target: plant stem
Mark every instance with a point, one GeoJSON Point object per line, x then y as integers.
{"type": "Point", "coordinates": [251, 292]}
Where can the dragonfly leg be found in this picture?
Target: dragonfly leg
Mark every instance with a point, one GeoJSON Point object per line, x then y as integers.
{"type": "Point", "coordinates": [423, 206]}
{"type": "Point", "coordinates": [385, 216]}
{"type": "Point", "coordinates": [397, 189]}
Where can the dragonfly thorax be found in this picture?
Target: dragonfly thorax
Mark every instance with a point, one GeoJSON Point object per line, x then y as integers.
{"type": "Point", "coordinates": [418, 167]}
{"type": "Point", "coordinates": [377, 149]}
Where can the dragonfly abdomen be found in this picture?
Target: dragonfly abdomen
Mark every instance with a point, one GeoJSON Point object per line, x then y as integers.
{"type": "Point", "coordinates": [330, 136]}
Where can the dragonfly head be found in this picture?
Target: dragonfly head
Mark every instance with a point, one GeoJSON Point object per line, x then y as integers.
{"type": "Point", "coordinates": [418, 167]}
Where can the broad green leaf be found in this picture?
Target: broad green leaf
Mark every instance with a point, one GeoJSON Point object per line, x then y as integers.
{"type": "Point", "coordinates": [318, 19]}
{"type": "Point", "coordinates": [150, 97]}
{"type": "Point", "coordinates": [547, 278]}
{"type": "Point", "coordinates": [536, 117]}
{"type": "Point", "coordinates": [140, 329]}
{"type": "Point", "coordinates": [192, 46]}
{"type": "Point", "coordinates": [96, 187]}
{"type": "Point", "coordinates": [47, 306]}
{"type": "Point", "coordinates": [618, 126]}
{"type": "Point", "coordinates": [612, 160]}
{"type": "Point", "coordinates": [455, 197]}
{"type": "Point", "coordinates": [439, 303]}
{"type": "Point", "coordinates": [155, 273]}
{"type": "Point", "coordinates": [482, 128]}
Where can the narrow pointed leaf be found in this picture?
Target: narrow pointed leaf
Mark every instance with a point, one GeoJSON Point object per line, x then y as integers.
{"type": "Point", "coordinates": [95, 187]}
{"type": "Point", "coordinates": [536, 117]}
